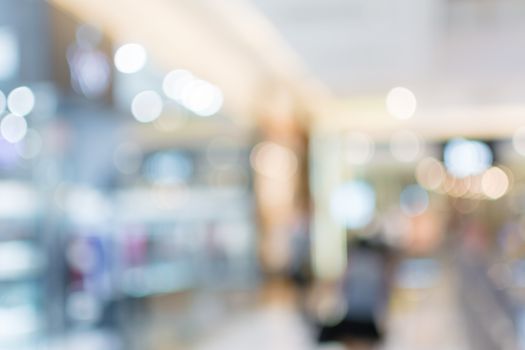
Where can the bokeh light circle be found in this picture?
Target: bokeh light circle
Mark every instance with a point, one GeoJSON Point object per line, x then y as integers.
{"type": "Point", "coordinates": [274, 161]}
{"type": "Point", "coordinates": [401, 103]}
{"type": "Point", "coordinates": [175, 82]}
{"type": "Point", "coordinates": [13, 128]}
{"type": "Point", "coordinates": [130, 58]}
{"type": "Point", "coordinates": [353, 204]}
{"type": "Point", "coordinates": [430, 173]}
{"type": "Point", "coordinates": [21, 101]}
{"type": "Point", "coordinates": [202, 98]}
{"type": "Point", "coordinates": [464, 157]}
{"type": "Point", "coordinates": [414, 200]}
{"type": "Point", "coordinates": [495, 183]}
{"type": "Point", "coordinates": [147, 106]}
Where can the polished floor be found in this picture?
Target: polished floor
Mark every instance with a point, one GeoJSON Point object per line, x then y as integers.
{"type": "Point", "coordinates": [437, 305]}
{"type": "Point", "coordinates": [423, 319]}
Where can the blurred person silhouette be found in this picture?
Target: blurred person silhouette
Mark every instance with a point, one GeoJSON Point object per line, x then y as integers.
{"type": "Point", "coordinates": [363, 294]}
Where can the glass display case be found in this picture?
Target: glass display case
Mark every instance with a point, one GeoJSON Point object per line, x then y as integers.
{"type": "Point", "coordinates": [22, 267]}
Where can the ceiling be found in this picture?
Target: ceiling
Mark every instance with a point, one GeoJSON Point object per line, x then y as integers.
{"type": "Point", "coordinates": [358, 47]}
{"type": "Point", "coordinates": [464, 59]}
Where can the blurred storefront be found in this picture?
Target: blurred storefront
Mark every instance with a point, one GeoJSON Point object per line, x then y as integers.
{"type": "Point", "coordinates": [246, 174]}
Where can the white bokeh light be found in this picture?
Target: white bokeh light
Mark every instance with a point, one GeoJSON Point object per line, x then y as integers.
{"type": "Point", "coordinates": [202, 98]}
{"type": "Point", "coordinates": [175, 82]}
{"type": "Point", "coordinates": [464, 157]}
{"type": "Point", "coordinates": [13, 128]}
{"type": "Point", "coordinates": [401, 103]}
{"type": "Point", "coordinates": [130, 58]}
{"type": "Point", "coordinates": [21, 101]}
{"type": "Point", "coordinates": [147, 106]}
{"type": "Point", "coordinates": [353, 204]}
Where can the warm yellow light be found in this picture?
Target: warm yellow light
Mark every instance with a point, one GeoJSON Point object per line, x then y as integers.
{"type": "Point", "coordinates": [460, 187]}
{"type": "Point", "coordinates": [430, 173]}
{"type": "Point", "coordinates": [274, 161]}
{"type": "Point", "coordinates": [495, 183]}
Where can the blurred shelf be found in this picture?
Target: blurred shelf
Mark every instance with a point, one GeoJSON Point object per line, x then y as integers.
{"type": "Point", "coordinates": [19, 260]}
{"type": "Point", "coordinates": [155, 279]}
